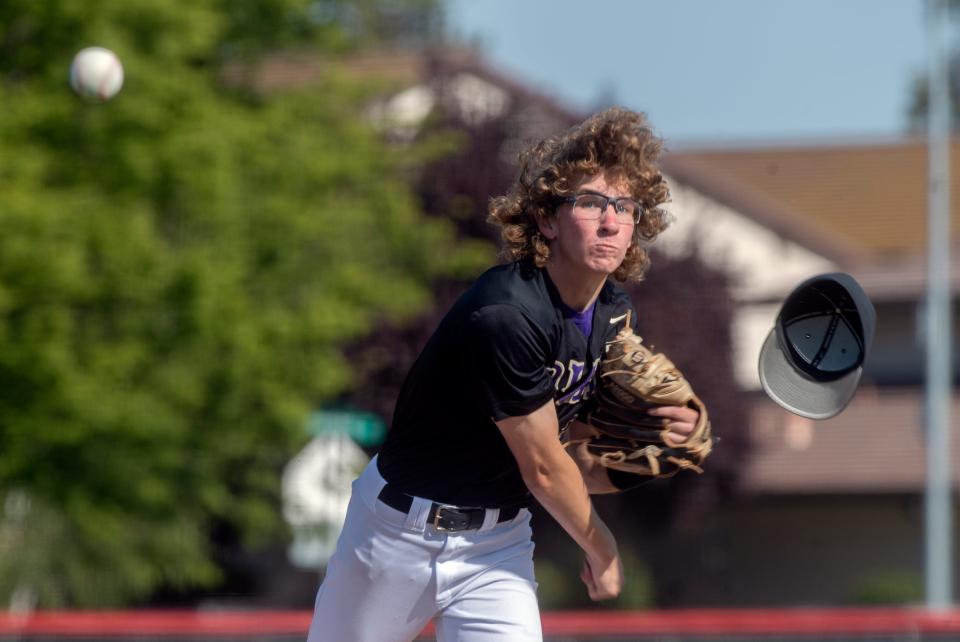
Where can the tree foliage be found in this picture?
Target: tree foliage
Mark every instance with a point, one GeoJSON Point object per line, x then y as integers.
{"type": "Point", "coordinates": [179, 268]}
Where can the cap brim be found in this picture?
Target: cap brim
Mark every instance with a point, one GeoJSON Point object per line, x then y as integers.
{"type": "Point", "coordinates": [797, 392]}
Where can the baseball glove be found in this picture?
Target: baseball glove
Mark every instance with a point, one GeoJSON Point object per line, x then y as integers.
{"type": "Point", "coordinates": [621, 434]}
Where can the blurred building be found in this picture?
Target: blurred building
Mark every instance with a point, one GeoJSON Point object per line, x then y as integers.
{"type": "Point", "coordinates": [828, 512]}
{"type": "Point", "coordinates": [832, 510]}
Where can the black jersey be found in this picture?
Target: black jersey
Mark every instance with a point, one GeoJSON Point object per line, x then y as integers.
{"type": "Point", "coordinates": [503, 350]}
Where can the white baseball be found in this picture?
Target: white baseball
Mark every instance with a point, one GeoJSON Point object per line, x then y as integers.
{"type": "Point", "coordinates": [96, 73]}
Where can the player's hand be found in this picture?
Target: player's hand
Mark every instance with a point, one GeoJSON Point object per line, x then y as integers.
{"type": "Point", "coordinates": [680, 421]}
{"type": "Point", "coordinates": [604, 581]}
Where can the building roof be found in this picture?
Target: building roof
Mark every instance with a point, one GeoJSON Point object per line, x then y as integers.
{"type": "Point", "coordinates": [861, 207]}
{"type": "Point", "coordinates": [867, 196]}
{"type": "Point", "coordinates": [762, 208]}
{"type": "Point", "coordinates": [399, 69]}
{"type": "Point", "coordinates": [289, 69]}
{"type": "Point", "coordinates": [876, 445]}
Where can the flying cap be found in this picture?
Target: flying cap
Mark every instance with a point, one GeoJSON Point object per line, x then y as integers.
{"type": "Point", "coordinates": [812, 360]}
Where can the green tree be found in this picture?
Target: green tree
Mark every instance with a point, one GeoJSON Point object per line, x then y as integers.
{"type": "Point", "coordinates": [178, 270]}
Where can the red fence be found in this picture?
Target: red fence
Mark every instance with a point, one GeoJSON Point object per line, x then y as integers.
{"type": "Point", "coordinates": [700, 625]}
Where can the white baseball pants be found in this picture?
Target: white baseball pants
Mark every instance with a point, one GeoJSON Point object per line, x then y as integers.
{"type": "Point", "coordinates": [391, 573]}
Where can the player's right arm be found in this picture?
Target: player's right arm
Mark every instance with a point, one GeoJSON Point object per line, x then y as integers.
{"type": "Point", "coordinates": [507, 350]}
{"type": "Point", "coordinates": [556, 482]}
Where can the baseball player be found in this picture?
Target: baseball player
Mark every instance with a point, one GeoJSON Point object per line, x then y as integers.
{"type": "Point", "coordinates": [438, 525]}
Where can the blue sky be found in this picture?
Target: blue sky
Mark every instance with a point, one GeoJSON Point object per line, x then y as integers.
{"type": "Point", "coordinates": [715, 71]}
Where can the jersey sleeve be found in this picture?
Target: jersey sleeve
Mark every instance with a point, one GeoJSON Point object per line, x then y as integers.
{"type": "Point", "coordinates": [508, 353]}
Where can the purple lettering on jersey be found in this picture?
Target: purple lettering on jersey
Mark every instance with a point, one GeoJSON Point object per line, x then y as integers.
{"type": "Point", "coordinates": [574, 373]}
{"type": "Point", "coordinates": [584, 389]}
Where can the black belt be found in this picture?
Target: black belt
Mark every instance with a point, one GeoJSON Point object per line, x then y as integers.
{"type": "Point", "coordinates": [443, 516]}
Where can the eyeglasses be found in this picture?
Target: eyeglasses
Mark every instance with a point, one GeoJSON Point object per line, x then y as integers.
{"type": "Point", "coordinates": [591, 206]}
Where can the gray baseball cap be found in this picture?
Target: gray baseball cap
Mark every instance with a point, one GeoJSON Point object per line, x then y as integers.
{"type": "Point", "coordinates": [812, 360]}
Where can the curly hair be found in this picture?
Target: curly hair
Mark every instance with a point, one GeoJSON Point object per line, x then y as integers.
{"type": "Point", "coordinates": [617, 143]}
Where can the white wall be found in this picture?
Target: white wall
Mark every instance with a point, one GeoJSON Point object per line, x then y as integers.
{"type": "Point", "coordinates": [763, 266]}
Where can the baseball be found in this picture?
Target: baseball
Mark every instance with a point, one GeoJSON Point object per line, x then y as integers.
{"type": "Point", "coordinates": [96, 73]}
